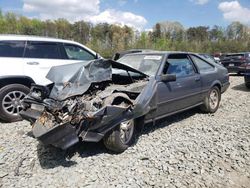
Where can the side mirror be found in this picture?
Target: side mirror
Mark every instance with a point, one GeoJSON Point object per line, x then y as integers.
{"type": "Point", "coordinates": [97, 56]}
{"type": "Point", "coordinates": [168, 77]}
{"type": "Point", "coordinates": [116, 56]}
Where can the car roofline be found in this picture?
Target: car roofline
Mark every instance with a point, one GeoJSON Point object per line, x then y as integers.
{"type": "Point", "coordinates": [237, 53]}
{"type": "Point", "coordinates": [159, 53]}
{"type": "Point", "coordinates": [41, 38]}
{"type": "Point", "coordinates": [30, 37]}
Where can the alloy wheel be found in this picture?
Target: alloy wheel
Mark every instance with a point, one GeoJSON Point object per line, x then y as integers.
{"type": "Point", "coordinates": [213, 99]}
{"type": "Point", "coordinates": [12, 102]}
{"type": "Point", "coordinates": [126, 131]}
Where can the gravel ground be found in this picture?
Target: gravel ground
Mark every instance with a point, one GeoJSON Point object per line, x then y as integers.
{"type": "Point", "coordinates": [186, 150]}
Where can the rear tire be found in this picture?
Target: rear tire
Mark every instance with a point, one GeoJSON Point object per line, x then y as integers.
{"type": "Point", "coordinates": [10, 101]}
{"type": "Point", "coordinates": [247, 85]}
{"type": "Point", "coordinates": [212, 100]}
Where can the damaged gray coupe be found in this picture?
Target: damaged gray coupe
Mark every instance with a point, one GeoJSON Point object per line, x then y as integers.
{"type": "Point", "coordinates": [108, 100]}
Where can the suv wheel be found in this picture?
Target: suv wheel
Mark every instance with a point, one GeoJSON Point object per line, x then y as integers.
{"type": "Point", "coordinates": [10, 101]}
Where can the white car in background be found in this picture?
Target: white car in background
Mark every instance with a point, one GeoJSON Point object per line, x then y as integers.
{"type": "Point", "coordinates": [27, 59]}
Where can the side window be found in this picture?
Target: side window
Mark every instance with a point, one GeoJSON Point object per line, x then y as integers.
{"type": "Point", "coordinates": [45, 50]}
{"type": "Point", "coordinates": [202, 65]}
{"type": "Point", "coordinates": [12, 48]}
{"type": "Point", "coordinates": [180, 65]}
{"type": "Point", "coordinates": [77, 53]}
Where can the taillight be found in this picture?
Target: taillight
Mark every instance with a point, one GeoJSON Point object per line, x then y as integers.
{"type": "Point", "coordinates": [243, 65]}
{"type": "Point", "coordinates": [243, 59]}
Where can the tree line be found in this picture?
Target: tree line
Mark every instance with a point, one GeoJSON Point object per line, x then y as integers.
{"type": "Point", "coordinates": [107, 39]}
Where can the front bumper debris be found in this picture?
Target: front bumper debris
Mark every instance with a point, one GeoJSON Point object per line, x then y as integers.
{"type": "Point", "coordinates": [61, 136]}
{"type": "Point", "coordinates": [91, 130]}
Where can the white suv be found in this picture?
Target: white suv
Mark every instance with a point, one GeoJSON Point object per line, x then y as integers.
{"type": "Point", "coordinates": [27, 59]}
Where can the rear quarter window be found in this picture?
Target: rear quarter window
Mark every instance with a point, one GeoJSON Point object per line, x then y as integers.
{"type": "Point", "coordinates": [202, 65]}
{"type": "Point", "coordinates": [75, 52]}
{"type": "Point", "coordinates": [12, 48]}
{"type": "Point", "coordinates": [44, 50]}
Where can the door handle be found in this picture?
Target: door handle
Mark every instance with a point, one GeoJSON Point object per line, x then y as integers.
{"type": "Point", "coordinates": [197, 79]}
{"type": "Point", "coordinates": [33, 63]}
{"type": "Point", "coordinates": [178, 85]}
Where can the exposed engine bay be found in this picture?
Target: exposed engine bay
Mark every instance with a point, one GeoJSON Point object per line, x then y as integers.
{"type": "Point", "coordinates": [84, 101]}
{"type": "Point", "coordinates": [78, 108]}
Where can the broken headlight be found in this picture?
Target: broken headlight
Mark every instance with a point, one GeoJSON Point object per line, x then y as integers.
{"type": "Point", "coordinates": [39, 92]}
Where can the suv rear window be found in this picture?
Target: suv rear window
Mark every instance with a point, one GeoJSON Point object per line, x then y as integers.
{"type": "Point", "coordinates": [46, 50]}
{"type": "Point", "coordinates": [77, 53]}
{"type": "Point", "coordinates": [12, 48]}
{"type": "Point", "coordinates": [235, 55]}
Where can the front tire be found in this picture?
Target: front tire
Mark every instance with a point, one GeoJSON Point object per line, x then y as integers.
{"type": "Point", "coordinates": [10, 101]}
{"type": "Point", "coordinates": [123, 135]}
{"type": "Point", "coordinates": [212, 100]}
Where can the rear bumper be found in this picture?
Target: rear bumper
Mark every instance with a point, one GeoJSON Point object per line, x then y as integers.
{"type": "Point", "coordinates": [236, 67]}
{"type": "Point", "coordinates": [225, 87]}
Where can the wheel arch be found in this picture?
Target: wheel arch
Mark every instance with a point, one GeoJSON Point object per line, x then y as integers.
{"type": "Point", "coordinates": [23, 80]}
{"type": "Point", "coordinates": [217, 84]}
{"type": "Point", "coordinates": [117, 98]}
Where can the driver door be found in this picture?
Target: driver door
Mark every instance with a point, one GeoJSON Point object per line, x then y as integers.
{"type": "Point", "coordinates": [182, 93]}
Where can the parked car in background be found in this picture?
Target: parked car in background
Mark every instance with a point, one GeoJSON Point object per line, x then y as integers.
{"type": "Point", "coordinates": [236, 62]}
{"type": "Point", "coordinates": [110, 100]}
{"type": "Point", "coordinates": [217, 56]}
{"type": "Point", "coordinates": [217, 59]}
{"type": "Point", "coordinates": [26, 60]}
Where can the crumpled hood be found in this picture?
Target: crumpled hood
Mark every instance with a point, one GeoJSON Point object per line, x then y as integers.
{"type": "Point", "coordinates": [75, 79]}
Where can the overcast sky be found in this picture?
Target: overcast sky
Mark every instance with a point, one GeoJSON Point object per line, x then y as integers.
{"type": "Point", "coordinates": [142, 14]}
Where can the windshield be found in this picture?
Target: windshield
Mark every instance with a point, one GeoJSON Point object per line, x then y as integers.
{"type": "Point", "coordinates": [148, 64]}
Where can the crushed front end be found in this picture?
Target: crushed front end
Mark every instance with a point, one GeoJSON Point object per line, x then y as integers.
{"type": "Point", "coordinates": [84, 104]}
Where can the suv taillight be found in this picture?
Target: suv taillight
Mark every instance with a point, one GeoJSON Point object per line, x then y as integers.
{"type": "Point", "coordinates": [243, 59]}
{"type": "Point", "coordinates": [248, 66]}
{"type": "Point", "coordinates": [243, 65]}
